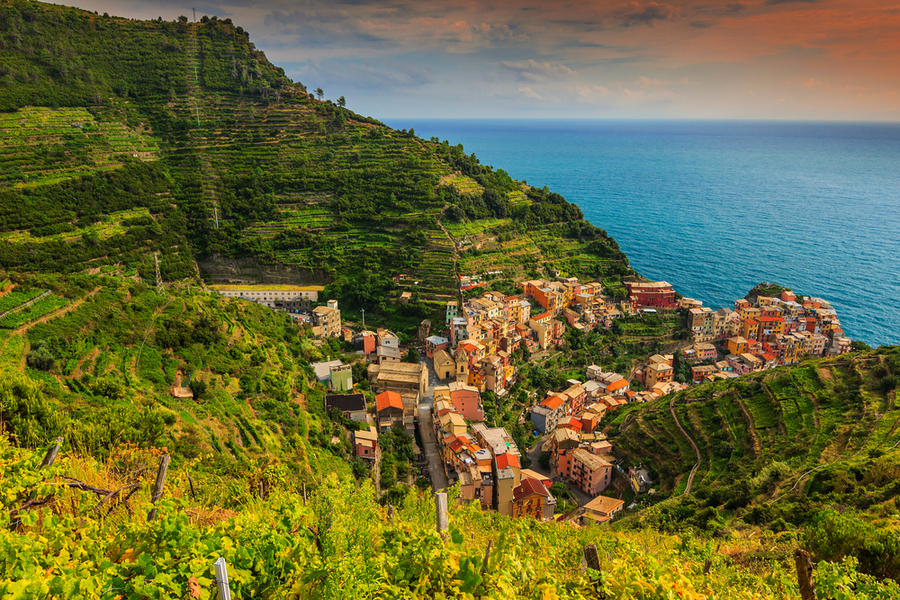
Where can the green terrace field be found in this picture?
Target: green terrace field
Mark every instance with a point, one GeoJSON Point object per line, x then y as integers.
{"type": "Point", "coordinates": [11, 300]}
{"type": "Point", "coordinates": [32, 312]}
{"type": "Point", "coordinates": [771, 443]}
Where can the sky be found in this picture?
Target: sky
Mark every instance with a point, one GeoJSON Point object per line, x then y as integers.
{"type": "Point", "coordinates": [676, 59]}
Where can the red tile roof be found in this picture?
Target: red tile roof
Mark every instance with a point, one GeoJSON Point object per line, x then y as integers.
{"type": "Point", "coordinates": [507, 460]}
{"type": "Point", "coordinates": [618, 385]}
{"type": "Point", "coordinates": [553, 402]}
{"type": "Point", "coordinates": [388, 400]}
{"type": "Point", "coordinates": [529, 487]}
{"type": "Point", "coordinates": [571, 422]}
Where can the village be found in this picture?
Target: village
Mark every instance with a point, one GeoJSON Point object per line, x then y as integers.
{"type": "Point", "coordinates": [570, 471]}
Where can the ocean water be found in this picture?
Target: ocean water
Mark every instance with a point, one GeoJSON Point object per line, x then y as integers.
{"type": "Point", "coordinates": [716, 207]}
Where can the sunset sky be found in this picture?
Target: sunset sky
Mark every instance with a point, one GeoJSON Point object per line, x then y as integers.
{"type": "Point", "coordinates": [741, 59]}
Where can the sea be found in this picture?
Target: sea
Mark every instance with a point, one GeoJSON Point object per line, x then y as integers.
{"type": "Point", "coordinates": [715, 207]}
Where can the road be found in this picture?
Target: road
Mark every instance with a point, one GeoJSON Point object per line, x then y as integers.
{"type": "Point", "coordinates": [426, 432]}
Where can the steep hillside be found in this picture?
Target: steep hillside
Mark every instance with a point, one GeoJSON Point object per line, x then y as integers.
{"type": "Point", "coordinates": [779, 449]}
{"type": "Point", "coordinates": [95, 359]}
{"type": "Point", "coordinates": [229, 162]}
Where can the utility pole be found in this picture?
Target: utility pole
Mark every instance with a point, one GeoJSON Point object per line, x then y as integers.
{"type": "Point", "coordinates": [197, 109]}
{"type": "Point", "coordinates": [159, 285]}
{"type": "Point", "coordinates": [364, 318]}
{"type": "Point", "coordinates": [195, 14]}
{"type": "Point", "coordinates": [195, 74]}
{"type": "Point", "coordinates": [216, 215]}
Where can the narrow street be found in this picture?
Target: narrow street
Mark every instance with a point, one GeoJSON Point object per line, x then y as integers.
{"type": "Point", "coordinates": [426, 431]}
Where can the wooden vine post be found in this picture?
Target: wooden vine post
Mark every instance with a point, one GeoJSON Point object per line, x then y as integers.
{"type": "Point", "coordinates": [440, 506]}
{"type": "Point", "coordinates": [592, 558]}
{"type": "Point", "coordinates": [804, 575]}
{"type": "Point", "coordinates": [158, 486]}
{"type": "Point", "coordinates": [50, 457]}
{"type": "Point", "coordinates": [487, 557]}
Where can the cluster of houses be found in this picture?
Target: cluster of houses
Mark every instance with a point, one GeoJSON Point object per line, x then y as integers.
{"type": "Point", "coordinates": [603, 392]}
{"type": "Point", "coordinates": [762, 334]}
{"type": "Point", "coordinates": [488, 328]}
{"type": "Point", "coordinates": [485, 460]}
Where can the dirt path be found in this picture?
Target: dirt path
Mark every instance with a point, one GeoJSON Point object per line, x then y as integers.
{"type": "Point", "coordinates": [57, 313]}
{"type": "Point", "coordinates": [690, 483]}
{"type": "Point", "coordinates": [757, 444]}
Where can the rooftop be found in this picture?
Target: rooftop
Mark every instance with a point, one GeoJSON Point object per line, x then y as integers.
{"type": "Point", "coordinates": [591, 461]}
{"type": "Point", "coordinates": [604, 504]}
{"type": "Point", "coordinates": [261, 287]}
{"type": "Point", "coordinates": [388, 399]}
{"type": "Point", "coordinates": [323, 369]}
{"type": "Point", "coordinates": [529, 487]}
{"type": "Point", "coordinates": [345, 402]}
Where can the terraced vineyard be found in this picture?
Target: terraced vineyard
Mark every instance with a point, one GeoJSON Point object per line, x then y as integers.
{"type": "Point", "coordinates": [33, 312]}
{"type": "Point", "coordinates": [222, 157]}
{"type": "Point", "coordinates": [14, 299]}
{"type": "Point", "coordinates": [43, 146]}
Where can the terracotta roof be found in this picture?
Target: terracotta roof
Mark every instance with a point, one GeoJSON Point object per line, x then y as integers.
{"type": "Point", "coordinates": [507, 460]}
{"type": "Point", "coordinates": [617, 385]}
{"type": "Point", "coordinates": [553, 403]}
{"type": "Point", "coordinates": [529, 487]}
{"type": "Point", "coordinates": [570, 422]}
{"type": "Point", "coordinates": [456, 444]}
{"type": "Point", "coordinates": [388, 399]}
{"type": "Point", "coordinates": [603, 504]}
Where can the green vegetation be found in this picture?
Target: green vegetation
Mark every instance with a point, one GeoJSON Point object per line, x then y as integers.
{"type": "Point", "coordinates": [342, 543]}
{"type": "Point", "coordinates": [776, 449]}
{"type": "Point", "coordinates": [32, 312]}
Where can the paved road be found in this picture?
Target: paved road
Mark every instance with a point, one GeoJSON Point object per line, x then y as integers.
{"type": "Point", "coordinates": [426, 431]}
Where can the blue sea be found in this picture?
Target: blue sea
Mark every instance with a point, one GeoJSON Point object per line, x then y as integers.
{"type": "Point", "coordinates": [716, 207]}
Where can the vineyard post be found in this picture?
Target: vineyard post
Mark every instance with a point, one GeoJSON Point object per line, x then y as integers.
{"type": "Point", "coordinates": [191, 483]}
{"type": "Point", "coordinates": [804, 575]}
{"type": "Point", "coordinates": [592, 558]}
{"type": "Point", "coordinates": [304, 493]}
{"type": "Point", "coordinates": [50, 457]}
{"type": "Point", "coordinates": [158, 487]}
{"type": "Point", "coordinates": [440, 505]}
{"type": "Point", "coordinates": [708, 563]}
{"type": "Point", "coordinates": [390, 512]}
{"type": "Point", "coordinates": [222, 579]}
{"type": "Point", "coordinates": [487, 557]}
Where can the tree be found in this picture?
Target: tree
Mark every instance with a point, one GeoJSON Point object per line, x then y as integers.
{"type": "Point", "coordinates": [319, 93]}
{"type": "Point", "coordinates": [544, 460]}
{"type": "Point", "coordinates": [412, 356]}
{"type": "Point", "coordinates": [198, 388]}
{"type": "Point", "coordinates": [341, 102]}
{"type": "Point", "coordinates": [40, 357]}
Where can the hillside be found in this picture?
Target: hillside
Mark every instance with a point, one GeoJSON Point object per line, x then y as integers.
{"type": "Point", "coordinates": [97, 365]}
{"type": "Point", "coordinates": [122, 138]}
{"type": "Point", "coordinates": [781, 448]}
{"type": "Point", "coordinates": [339, 542]}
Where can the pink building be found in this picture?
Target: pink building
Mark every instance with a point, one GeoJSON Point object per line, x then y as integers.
{"type": "Point", "coordinates": [466, 401]}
